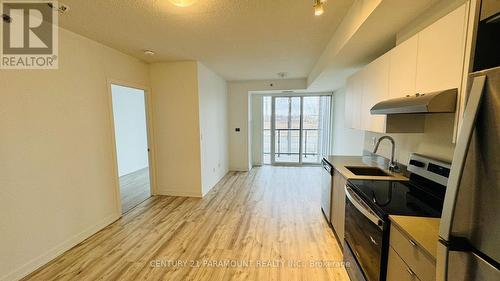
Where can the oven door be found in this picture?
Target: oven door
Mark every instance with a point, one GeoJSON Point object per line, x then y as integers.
{"type": "Point", "coordinates": [364, 235]}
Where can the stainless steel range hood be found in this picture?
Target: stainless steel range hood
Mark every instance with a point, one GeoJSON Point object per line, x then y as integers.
{"type": "Point", "coordinates": [435, 102]}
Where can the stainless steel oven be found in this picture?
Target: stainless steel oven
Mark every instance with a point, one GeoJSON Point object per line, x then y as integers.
{"type": "Point", "coordinates": [364, 234]}
{"type": "Point", "coordinates": [369, 204]}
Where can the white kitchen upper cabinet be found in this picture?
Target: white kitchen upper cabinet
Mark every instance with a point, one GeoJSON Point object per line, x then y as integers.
{"type": "Point", "coordinates": [403, 68]}
{"type": "Point", "coordinates": [441, 50]}
{"type": "Point", "coordinates": [375, 89]}
{"type": "Point", "coordinates": [432, 60]}
{"type": "Point", "coordinates": [353, 98]}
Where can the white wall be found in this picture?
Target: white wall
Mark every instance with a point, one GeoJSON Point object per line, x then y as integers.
{"type": "Point", "coordinates": [212, 91]}
{"type": "Point", "coordinates": [240, 116]}
{"type": "Point", "coordinates": [346, 141]}
{"type": "Point", "coordinates": [174, 88]}
{"type": "Point", "coordinates": [129, 111]}
{"type": "Point", "coordinates": [436, 141]}
{"type": "Point", "coordinates": [57, 181]}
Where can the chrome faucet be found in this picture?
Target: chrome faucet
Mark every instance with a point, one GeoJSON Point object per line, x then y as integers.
{"type": "Point", "coordinates": [393, 167]}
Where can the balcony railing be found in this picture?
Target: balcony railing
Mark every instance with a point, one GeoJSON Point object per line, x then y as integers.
{"type": "Point", "coordinates": [287, 142]}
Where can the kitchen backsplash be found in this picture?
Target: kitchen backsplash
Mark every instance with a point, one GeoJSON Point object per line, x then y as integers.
{"type": "Point", "coordinates": [436, 141]}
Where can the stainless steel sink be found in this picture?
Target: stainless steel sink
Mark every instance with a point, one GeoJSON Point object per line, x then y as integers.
{"type": "Point", "coordinates": [368, 171]}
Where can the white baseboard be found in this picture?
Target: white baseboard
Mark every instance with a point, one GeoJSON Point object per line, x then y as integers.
{"type": "Point", "coordinates": [178, 193]}
{"type": "Point", "coordinates": [53, 253]}
{"type": "Point", "coordinates": [239, 170]}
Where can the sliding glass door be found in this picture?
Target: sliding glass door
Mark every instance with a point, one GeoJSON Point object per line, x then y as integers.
{"type": "Point", "coordinates": [296, 129]}
{"type": "Point", "coordinates": [286, 129]}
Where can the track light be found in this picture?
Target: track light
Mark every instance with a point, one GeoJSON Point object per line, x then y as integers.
{"type": "Point", "coordinates": [319, 7]}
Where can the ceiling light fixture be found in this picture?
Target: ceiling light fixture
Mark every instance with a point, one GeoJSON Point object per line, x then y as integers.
{"type": "Point", "coordinates": [149, 53]}
{"type": "Point", "coordinates": [319, 8]}
{"type": "Point", "coordinates": [182, 3]}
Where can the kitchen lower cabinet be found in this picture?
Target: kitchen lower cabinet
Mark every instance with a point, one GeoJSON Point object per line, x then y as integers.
{"type": "Point", "coordinates": [398, 270]}
{"type": "Point", "coordinates": [413, 264]}
{"type": "Point", "coordinates": [338, 205]}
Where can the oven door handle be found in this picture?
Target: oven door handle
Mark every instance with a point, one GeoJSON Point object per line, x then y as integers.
{"type": "Point", "coordinates": [362, 208]}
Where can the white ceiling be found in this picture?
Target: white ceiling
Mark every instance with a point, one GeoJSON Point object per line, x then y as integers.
{"type": "Point", "coordinates": [239, 39]}
{"type": "Point", "coordinates": [375, 34]}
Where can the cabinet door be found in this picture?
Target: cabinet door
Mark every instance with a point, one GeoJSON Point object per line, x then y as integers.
{"type": "Point", "coordinates": [375, 89]}
{"type": "Point", "coordinates": [441, 50]}
{"type": "Point", "coordinates": [340, 183]}
{"type": "Point", "coordinates": [353, 101]}
{"type": "Point", "coordinates": [403, 68]}
{"type": "Point", "coordinates": [397, 270]}
{"type": "Point", "coordinates": [335, 200]}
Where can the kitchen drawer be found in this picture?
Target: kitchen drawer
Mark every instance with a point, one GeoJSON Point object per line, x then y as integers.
{"type": "Point", "coordinates": [397, 270]}
{"type": "Point", "coordinates": [415, 257]}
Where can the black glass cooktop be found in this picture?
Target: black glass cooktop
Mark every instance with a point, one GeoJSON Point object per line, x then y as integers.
{"type": "Point", "coordinates": [401, 198]}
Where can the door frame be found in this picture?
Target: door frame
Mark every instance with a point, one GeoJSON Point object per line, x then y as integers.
{"type": "Point", "coordinates": [150, 138]}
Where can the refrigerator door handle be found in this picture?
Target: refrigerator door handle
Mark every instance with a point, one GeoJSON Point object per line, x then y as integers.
{"type": "Point", "coordinates": [490, 268]}
{"type": "Point", "coordinates": [459, 156]}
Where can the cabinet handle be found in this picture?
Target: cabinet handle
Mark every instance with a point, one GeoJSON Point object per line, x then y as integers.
{"type": "Point", "coordinates": [410, 271]}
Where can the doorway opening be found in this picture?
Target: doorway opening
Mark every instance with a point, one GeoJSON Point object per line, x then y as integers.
{"type": "Point", "coordinates": [296, 129]}
{"type": "Point", "coordinates": [131, 142]}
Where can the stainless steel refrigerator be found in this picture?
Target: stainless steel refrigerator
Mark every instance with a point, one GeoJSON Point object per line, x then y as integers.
{"type": "Point", "coordinates": [469, 242]}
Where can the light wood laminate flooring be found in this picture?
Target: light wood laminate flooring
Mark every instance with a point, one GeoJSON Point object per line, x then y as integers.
{"type": "Point", "coordinates": [134, 189]}
{"type": "Point", "coordinates": [262, 225]}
